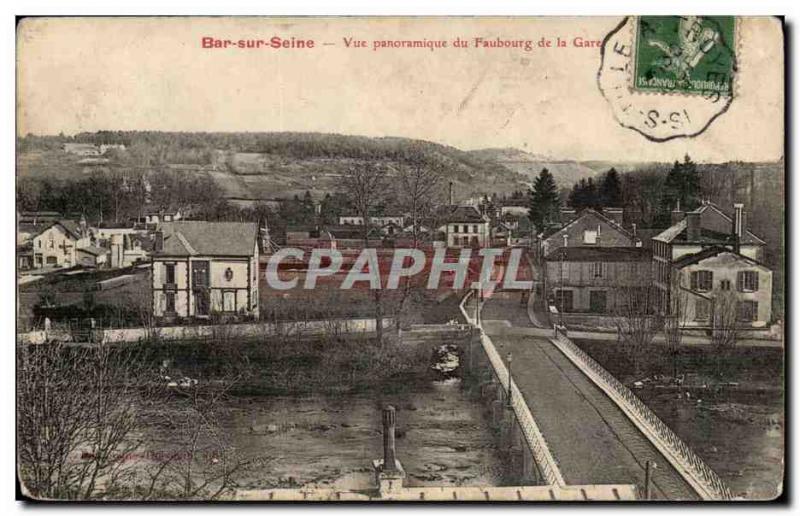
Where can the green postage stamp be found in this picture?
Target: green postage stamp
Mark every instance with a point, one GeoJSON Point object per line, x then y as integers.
{"type": "Point", "coordinates": [685, 54]}
{"type": "Point", "coordinates": [669, 76]}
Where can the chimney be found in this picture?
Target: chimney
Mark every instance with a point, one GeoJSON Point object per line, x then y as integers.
{"type": "Point", "coordinates": [567, 216]}
{"type": "Point", "coordinates": [614, 214]}
{"type": "Point", "coordinates": [738, 225]}
{"type": "Point", "coordinates": [677, 214]}
{"type": "Point", "coordinates": [692, 226]}
{"type": "Point", "coordinates": [451, 193]}
{"type": "Point", "coordinates": [159, 243]}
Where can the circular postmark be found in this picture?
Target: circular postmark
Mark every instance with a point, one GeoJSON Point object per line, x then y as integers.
{"type": "Point", "coordinates": [669, 76]}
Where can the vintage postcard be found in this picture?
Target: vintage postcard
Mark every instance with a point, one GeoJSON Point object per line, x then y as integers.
{"type": "Point", "coordinates": [337, 259]}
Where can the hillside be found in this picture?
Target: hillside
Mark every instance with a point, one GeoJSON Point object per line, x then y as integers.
{"type": "Point", "coordinates": [253, 166]}
{"type": "Point", "coordinates": [565, 172]}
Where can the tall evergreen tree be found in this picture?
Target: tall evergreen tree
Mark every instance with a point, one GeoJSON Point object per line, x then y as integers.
{"type": "Point", "coordinates": [544, 200]}
{"type": "Point", "coordinates": [584, 194]}
{"type": "Point", "coordinates": [681, 185]}
{"type": "Point", "coordinates": [611, 189]}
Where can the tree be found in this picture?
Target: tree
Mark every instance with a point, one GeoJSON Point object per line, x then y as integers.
{"type": "Point", "coordinates": [724, 325]}
{"type": "Point", "coordinates": [78, 402]}
{"type": "Point", "coordinates": [584, 194]}
{"type": "Point", "coordinates": [681, 187]}
{"type": "Point", "coordinates": [544, 200]}
{"type": "Point", "coordinates": [674, 321]}
{"type": "Point", "coordinates": [366, 184]}
{"type": "Point", "coordinates": [84, 412]}
{"type": "Point", "coordinates": [611, 189]}
{"type": "Point", "coordinates": [636, 321]}
{"type": "Point", "coordinates": [419, 192]}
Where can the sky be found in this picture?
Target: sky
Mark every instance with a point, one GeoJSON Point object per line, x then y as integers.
{"type": "Point", "coordinates": [88, 74]}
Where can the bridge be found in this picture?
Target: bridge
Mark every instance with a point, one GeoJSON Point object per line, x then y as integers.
{"type": "Point", "coordinates": [588, 429]}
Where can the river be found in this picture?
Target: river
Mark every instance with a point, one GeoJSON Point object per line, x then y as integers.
{"type": "Point", "coordinates": [443, 437]}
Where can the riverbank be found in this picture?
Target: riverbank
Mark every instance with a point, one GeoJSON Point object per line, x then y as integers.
{"type": "Point", "coordinates": [729, 409]}
{"type": "Point", "coordinates": [296, 366]}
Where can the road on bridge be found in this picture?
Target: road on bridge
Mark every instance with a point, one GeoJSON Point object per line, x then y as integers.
{"type": "Point", "coordinates": [592, 440]}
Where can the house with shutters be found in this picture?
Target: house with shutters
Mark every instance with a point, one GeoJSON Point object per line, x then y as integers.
{"type": "Point", "coordinates": [200, 269]}
{"type": "Point", "coordinates": [465, 226]}
{"type": "Point", "coordinates": [717, 279]}
{"type": "Point", "coordinates": [694, 231]}
{"type": "Point", "coordinates": [595, 280]}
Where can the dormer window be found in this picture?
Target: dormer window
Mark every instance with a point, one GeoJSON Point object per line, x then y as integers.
{"type": "Point", "coordinates": [590, 237]}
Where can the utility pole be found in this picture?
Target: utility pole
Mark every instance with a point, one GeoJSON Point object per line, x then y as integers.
{"type": "Point", "coordinates": [648, 479]}
{"type": "Point", "coordinates": [561, 270]}
{"type": "Point", "coordinates": [508, 395]}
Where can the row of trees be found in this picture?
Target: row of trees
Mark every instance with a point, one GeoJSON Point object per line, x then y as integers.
{"type": "Point", "coordinates": [589, 194]}
{"type": "Point", "coordinates": [116, 195]}
{"type": "Point", "coordinates": [417, 191]}
{"type": "Point", "coordinates": [651, 193]}
{"type": "Point", "coordinates": [638, 321]}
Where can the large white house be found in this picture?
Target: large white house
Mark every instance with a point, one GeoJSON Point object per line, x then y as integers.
{"type": "Point", "coordinates": [466, 227]}
{"type": "Point", "coordinates": [205, 268]}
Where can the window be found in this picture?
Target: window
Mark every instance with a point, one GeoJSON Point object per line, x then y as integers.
{"type": "Point", "coordinates": [590, 237]}
{"type": "Point", "coordinates": [564, 300]}
{"type": "Point", "coordinates": [747, 281]}
{"type": "Point", "coordinates": [747, 311]}
{"type": "Point", "coordinates": [702, 310]}
{"type": "Point", "coordinates": [725, 284]}
{"type": "Point", "coordinates": [455, 228]}
{"type": "Point", "coordinates": [169, 273]}
{"type": "Point", "coordinates": [40, 244]}
{"type": "Point", "coordinates": [51, 244]}
{"type": "Point", "coordinates": [702, 280]}
{"type": "Point", "coordinates": [229, 301]}
{"type": "Point", "coordinates": [465, 228]}
{"type": "Point", "coordinates": [169, 302]}
{"type": "Point", "coordinates": [475, 228]}
{"type": "Point", "coordinates": [597, 301]}
{"type": "Point", "coordinates": [597, 268]}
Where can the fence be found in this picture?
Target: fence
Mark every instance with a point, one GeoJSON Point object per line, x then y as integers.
{"type": "Point", "coordinates": [696, 472]}
{"type": "Point", "coordinates": [242, 330]}
{"type": "Point", "coordinates": [533, 435]}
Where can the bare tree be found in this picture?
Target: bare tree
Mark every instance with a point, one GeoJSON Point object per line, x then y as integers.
{"type": "Point", "coordinates": [724, 325]}
{"type": "Point", "coordinates": [366, 187]}
{"type": "Point", "coordinates": [635, 320]}
{"type": "Point", "coordinates": [674, 322]}
{"type": "Point", "coordinates": [200, 462]}
{"type": "Point", "coordinates": [419, 192]}
{"type": "Point", "coordinates": [83, 427]}
{"type": "Point", "coordinates": [77, 413]}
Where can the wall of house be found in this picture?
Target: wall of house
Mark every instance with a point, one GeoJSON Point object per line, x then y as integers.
{"type": "Point", "coordinates": [609, 236]}
{"type": "Point", "coordinates": [238, 284]}
{"type": "Point", "coordinates": [59, 238]}
{"type": "Point", "coordinates": [581, 280]}
{"type": "Point", "coordinates": [218, 283]}
{"type": "Point", "coordinates": [181, 283]}
{"type": "Point", "coordinates": [726, 267]}
{"type": "Point", "coordinates": [474, 230]}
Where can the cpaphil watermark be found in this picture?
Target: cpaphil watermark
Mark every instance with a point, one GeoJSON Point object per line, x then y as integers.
{"type": "Point", "coordinates": [487, 268]}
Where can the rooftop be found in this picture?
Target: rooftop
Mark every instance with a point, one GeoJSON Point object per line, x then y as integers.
{"type": "Point", "coordinates": [600, 254]}
{"type": "Point", "coordinates": [201, 238]}
{"type": "Point", "coordinates": [712, 218]}
{"type": "Point", "coordinates": [709, 252]}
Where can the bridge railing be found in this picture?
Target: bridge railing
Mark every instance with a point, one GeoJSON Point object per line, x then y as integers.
{"type": "Point", "coordinates": [705, 481]}
{"type": "Point", "coordinates": [530, 430]}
